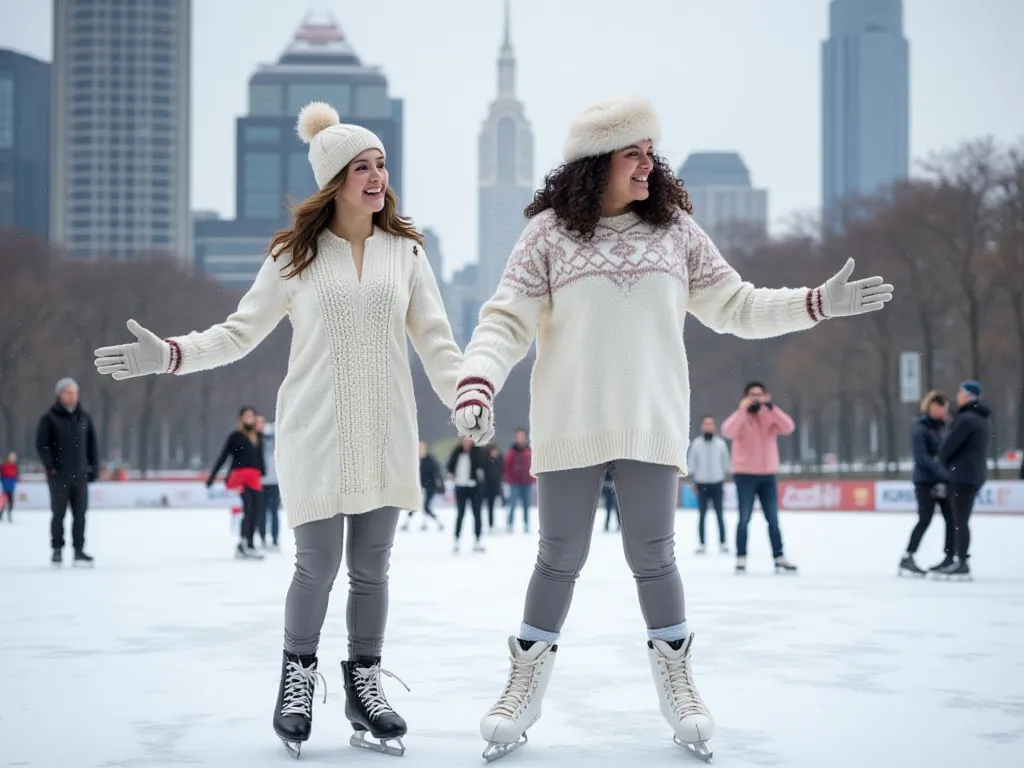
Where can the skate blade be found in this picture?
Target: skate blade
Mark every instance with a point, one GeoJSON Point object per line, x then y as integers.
{"type": "Point", "coordinates": [908, 572]}
{"type": "Point", "coordinates": [698, 749]}
{"type": "Point", "coordinates": [361, 740]}
{"type": "Point", "coordinates": [496, 750]}
{"type": "Point", "coordinates": [294, 748]}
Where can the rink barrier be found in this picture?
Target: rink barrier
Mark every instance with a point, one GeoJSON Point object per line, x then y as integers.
{"type": "Point", "coordinates": [1005, 497]}
{"type": "Point", "coordinates": [1002, 497]}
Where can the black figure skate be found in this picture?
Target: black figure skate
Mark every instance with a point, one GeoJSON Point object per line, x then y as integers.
{"type": "Point", "coordinates": [909, 565]}
{"type": "Point", "coordinates": [368, 710]}
{"type": "Point", "coordinates": [293, 716]}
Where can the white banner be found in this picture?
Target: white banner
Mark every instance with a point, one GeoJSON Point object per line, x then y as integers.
{"type": "Point", "coordinates": [998, 496]}
{"type": "Point", "coordinates": [129, 495]}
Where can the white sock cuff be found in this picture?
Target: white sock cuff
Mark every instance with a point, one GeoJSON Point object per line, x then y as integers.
{"type": "Point", "coordinates": [668, 634]}
{"type": "Point", "coordinates": [528, 633]}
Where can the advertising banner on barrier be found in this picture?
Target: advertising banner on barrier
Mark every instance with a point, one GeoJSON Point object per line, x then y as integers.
{"type": "Point", "coordinates": [831, 495]}
{"type": "Point", "coordinates": [129, 495]}
{"type": "Point", "coordinates": [997, 496]}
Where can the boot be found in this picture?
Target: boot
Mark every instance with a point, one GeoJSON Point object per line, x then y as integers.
{"type": "Point", "coordinates": [946, 562]}
{"type": "Point", "coordinates": [782, 565]}
{"type": "Point", "coordinates": [82, 559]}
{"type": "Point", "coordinates": [678, 698]}
{"type": "Point", "coordinates": [367, 708]}
{"type": "Point", "coordinates": [293, 714]}
{"type": "Point", "coordinates": [519, 706]}
{"type": "Point", "coordinates": [909, 565]}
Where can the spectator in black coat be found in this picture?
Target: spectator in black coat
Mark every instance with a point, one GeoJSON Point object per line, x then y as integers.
{"type": "Point", "coordinates": [964, 452]}
{"type": "Point", "coordinates": [494, 474]}
{"type": "Point", "coordinates": [466, 468]}
{"type": "Point", "coordinates": [431, 483]}
{"type": "Point", "coordinates": [930, 480]}
{"type": "Point", "coordinates": [66, 444]}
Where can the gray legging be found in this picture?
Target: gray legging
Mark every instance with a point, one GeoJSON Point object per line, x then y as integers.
{"type": "Point", "coordinates": [318, 549]}
{"type": "Point", "coordinates": [567, 503]}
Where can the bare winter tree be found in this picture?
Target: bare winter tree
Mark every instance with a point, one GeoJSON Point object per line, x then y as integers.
{"type": "Point", "coordinates": [1010, 257]}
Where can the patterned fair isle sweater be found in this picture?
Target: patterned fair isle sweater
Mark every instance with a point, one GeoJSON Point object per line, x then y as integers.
{"type": "Point", "coordinates": [346, 433]}
{"type": "Point", "coordinates": [611, 379]}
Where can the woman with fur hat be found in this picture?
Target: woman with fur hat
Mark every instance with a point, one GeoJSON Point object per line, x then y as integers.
{"type": "Point", "coordinates": [352, 277]}
{"type": "Point", "coordinates": [607, 268]}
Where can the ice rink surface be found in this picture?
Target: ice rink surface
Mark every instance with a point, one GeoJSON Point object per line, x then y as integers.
{"type": "Point", "coordinates": [168, 652]}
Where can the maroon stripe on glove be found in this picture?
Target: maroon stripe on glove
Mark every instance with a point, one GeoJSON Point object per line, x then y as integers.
{"type": "Point", "coordinates": [809, 305]}
{"type": "Point", "coordinates": [175, 363]}
{"type": "Point", "coordinates": [467, 403]}
{"type": "Point", "coordinates": [483, 392]}
{"type": "Point", "coordinates": [821, 305]}
{"type": "Point", "coordinates": [473, 381]}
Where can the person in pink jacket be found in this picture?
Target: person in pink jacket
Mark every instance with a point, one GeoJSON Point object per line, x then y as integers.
{"type": "Point", "coordinates": [754, 429]}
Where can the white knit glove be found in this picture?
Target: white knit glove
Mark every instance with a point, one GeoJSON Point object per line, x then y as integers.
{"type": "Point", "coordinates": [474, 410]}
{"type": "Point", "coordinates": [150, 354]}
{"type": "Point", "coordinates": [840, 298]}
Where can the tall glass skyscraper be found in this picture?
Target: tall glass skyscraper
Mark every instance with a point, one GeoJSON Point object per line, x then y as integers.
{"type": "Point", "coordinates": [120, 128]}
{"type": "Point", "coordinates": [865, 101]}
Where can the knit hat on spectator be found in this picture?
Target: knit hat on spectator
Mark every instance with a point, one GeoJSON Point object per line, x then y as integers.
{"type": "Point", "coordinates": [972, 388]}
{"type": "Point", "coordinates": [332, 144]}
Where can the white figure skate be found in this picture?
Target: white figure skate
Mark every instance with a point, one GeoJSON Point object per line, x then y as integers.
{"type": "Point", "coordinates": [505, 724]}
{"type": "Point", "coordinates": [680, 703]}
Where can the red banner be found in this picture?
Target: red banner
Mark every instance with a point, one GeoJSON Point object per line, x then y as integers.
{"type": "Point", "coordinates": [843, 495]}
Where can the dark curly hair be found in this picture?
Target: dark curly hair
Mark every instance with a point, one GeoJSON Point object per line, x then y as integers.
{"type": "Point", "coordinates": [575, 190]}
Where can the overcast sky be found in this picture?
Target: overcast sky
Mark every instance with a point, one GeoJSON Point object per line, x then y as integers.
{"type": "Point", "coordinates": [740, 75]}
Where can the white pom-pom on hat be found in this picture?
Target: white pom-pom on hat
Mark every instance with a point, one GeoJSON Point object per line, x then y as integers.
{"type": "Point", "coordinates": [611, 125]}
{"type": "Point", "coordinates": [315, 117]}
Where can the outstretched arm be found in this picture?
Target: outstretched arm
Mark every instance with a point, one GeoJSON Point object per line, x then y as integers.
{"type": "Point", "coordinates": [431, 333]}
{"type": "Point", "coordinates": [258, 313]}
{"type": "Point", "coordinates": [727, 304]}
{"type": "Point", "coordinates": [723, 302]}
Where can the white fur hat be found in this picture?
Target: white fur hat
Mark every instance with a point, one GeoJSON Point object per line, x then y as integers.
{"type": "Point", "coordinates": [332, 144]}
{"type": "Point", "coordinates": [610, 125]}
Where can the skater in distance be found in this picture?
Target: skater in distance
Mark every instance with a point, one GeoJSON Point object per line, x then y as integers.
{"type": "Point", "coordinates": [352, 277]}
{"type": "Point", "coordinates": [931, 482]}
{"type": "Point", "coordinates": [607, 268]}
{"type": "Point", "coordinates": [244, 448]}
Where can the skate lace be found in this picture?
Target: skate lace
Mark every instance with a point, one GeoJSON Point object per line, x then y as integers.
{"type": "Point", "coordinates": [518, 688]}
{"type": "Point", "coordinates": [681, 688]}
{"type": "Point", "coordinates": [299, 685]}
{"type": "Point", "coordinates": [367, 682]}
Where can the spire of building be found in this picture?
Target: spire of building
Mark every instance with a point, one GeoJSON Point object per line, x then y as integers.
{"type": "Point", "coordinates": [507, 61]}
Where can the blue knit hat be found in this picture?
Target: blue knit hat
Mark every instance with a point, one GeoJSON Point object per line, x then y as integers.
{"type": "Point", "coordinates": [972, 388]}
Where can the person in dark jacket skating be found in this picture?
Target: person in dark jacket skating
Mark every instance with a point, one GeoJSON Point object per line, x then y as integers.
{"type": "Point", "coordinates": [431, 483]}
{"type": "Point", "coordinates": [66, 443]}
{"type": "Point", "coordinates": [466, 467]}
{"type": "Point", "coordinates": [964, 452]}
{"type": "Point", "coordinates": [494, 474]}
{"type": "Point", "coordinates": [244, 447]}
{"type": "Point", "coordinates": [931, 481]}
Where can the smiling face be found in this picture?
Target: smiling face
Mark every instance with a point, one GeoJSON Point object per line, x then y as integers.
{"type": "Point", "coordinates": [628, 173]}
{"type": "Point", "coordinates": [362, 191]}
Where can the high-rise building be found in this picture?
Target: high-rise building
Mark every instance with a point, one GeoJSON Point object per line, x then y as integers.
{"type": "Point", "coordinates": [24, 144]}
{"type": "Point", "coordinates": [865, 101]}
{"type": "Point", "coordinates": [120, 128]}
{"type": "Point", "coordinates": [272, 165]}
{"type": "Point", "coordinates": [725, 203]}
{"type": "Point", "coordinates": [432, 245]}
{"type": "Point", "coordinates": [505, 172]}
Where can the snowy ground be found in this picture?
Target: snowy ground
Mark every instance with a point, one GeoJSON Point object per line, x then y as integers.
{"type": "Point", "coordinates": [168, 652]}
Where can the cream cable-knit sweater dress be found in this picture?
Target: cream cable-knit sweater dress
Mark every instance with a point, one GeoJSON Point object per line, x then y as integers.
{"type": "Point", "coordinates": [347, 437]}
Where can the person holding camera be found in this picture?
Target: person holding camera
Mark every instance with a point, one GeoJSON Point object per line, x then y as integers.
{"type": "Point", "coordinates": [754, 429]}
{"type": "Point", "coordinates": [931, 481]}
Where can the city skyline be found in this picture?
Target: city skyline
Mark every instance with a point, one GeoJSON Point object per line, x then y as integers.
{"type": "Point", "coordinates": [703, 84]}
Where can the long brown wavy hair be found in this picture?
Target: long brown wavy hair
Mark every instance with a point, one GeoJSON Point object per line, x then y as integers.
{"type": "Point", "coordinates": [575, 191]}
{"type": "Point", "coordinates": [312, 215]}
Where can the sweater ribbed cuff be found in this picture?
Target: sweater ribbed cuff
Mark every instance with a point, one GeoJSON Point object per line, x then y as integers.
{"type": "Point", "coordinates": [591, 450]}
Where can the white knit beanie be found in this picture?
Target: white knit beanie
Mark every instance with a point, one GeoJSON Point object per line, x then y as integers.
{"type": "Point", "coordinates": [610, 125]}
{"type": "Point", "coordinates": [332, 144]}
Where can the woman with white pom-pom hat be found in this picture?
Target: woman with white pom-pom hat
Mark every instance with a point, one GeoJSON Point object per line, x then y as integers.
{"type": "Point", "coordinates": [352, 277]}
